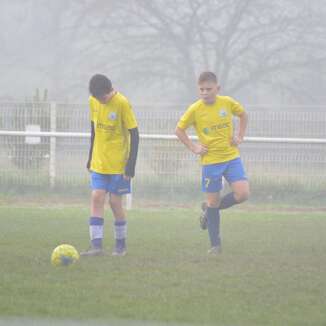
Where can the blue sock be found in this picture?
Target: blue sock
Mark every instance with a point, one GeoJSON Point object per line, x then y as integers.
{"type": "Point", "coordinates": [228, 201]}
{"type": "Point", "coordinates": [213, 226]}
{"type": "Point", "coordinates": [120, 234]}
{"type": "Point", "coordinates": [96, 231]}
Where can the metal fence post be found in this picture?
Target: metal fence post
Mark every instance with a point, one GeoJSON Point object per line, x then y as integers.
{"type": "Point", "coordinates": [52, 162]}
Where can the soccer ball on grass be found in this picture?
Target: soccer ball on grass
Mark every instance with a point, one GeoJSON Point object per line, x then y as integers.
{"type": "Point", "coordinates": [64, 255]}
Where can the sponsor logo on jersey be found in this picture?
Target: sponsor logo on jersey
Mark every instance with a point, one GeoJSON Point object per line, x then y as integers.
{"type": "Point", "coordinates": [105, 127]}
{"type": "Point", "coordinates": [206, 131]}
{"type": "Point", "coordinates": [213, 129]}
{"type": "Point", "coordinates": [220, 126]}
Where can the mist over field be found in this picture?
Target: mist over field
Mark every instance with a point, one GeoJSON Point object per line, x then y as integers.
{"type": "Point", "coordinates": [265, 53]}
{"type": "Point", "coordinates": [268, 55]}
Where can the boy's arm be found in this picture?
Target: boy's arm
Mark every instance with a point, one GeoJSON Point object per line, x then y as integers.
{"type": "Point", "coordinates": [238, 139]}
{"type": "Point", "coordinates": [88, 165]}
{"type": "Point", "coordinates": [131, 164]}
{"type": "Point", "coordinates": [196, 148]}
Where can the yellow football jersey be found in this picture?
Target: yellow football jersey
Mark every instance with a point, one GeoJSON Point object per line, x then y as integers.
{"type": "Point", "coordinates": [214, 127]}
{"type": "Point", "coordinates": [111, 143]}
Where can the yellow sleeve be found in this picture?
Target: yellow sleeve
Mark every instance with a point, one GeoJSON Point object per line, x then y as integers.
{"type": "Point", "coordinates": [236, 107]}
{"type": "Point", "coordinates": [188, 118]}
{"type": "Point", "coordinates": [128, 116]}
{"type": "Point", "coordinates": [91, 108]}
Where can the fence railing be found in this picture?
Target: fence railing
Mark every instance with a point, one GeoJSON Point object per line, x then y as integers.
{"type": "Point", "coordinates": [45, 146]}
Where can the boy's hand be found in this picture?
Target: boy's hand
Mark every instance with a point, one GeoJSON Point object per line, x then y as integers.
{"type": "Point", "coordinates": [236, 140]}
{"type": "Point", "coordinates": [199, 149]}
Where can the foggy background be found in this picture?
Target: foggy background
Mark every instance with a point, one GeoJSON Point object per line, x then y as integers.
{"type": "Point", "coordinates": [269, 55]}
{"type": "Point", "coordinates": [266, 53]}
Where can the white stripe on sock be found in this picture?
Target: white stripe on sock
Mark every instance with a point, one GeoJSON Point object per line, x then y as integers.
{"type": "Point", "coordinates": [120, 231]}
{"type": "Point", "coordinates": [96, 232]}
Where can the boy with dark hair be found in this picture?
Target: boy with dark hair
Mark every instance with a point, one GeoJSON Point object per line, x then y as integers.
{"type": "Point", "coordinates": [112, 160]}
{"type": "Point", "coordinates": [212, 118]}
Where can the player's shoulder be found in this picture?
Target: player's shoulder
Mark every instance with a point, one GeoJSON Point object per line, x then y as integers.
{"type": "Point", "coordinates": [196, 105]}
{"type": "Point", "coordinates": [92, 101]}
{"type": "Point", "coordinates": [229, 102]}
{"type": "Point", "coordinates": [226, 99]}
{"type": "Point", "coordinates": [121, 99]}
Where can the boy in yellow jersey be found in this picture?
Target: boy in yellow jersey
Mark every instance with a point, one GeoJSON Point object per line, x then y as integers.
{"type": "Point", "coordinates": [112, 160]}
{"type": "Point", "coordinates": [212, 118]}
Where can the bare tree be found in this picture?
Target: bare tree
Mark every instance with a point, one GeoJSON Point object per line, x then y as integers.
{"type": "Point", "coordinates": [160, 46]}
{"type": "Point", "coordinates": [243, 41]}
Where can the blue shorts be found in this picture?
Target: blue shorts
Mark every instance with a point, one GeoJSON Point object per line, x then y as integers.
{"type": "Point", "coordinates": [114, 183]}
{"type": "Point", "coordinates": [212, 174]}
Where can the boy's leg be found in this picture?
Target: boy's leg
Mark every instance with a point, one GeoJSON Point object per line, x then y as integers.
{"type": "Point", "coordinates": [118, 186]}
{"type": "Point", "coordinates": [213, 220]}
{"type": "Point", "coordinates": [96, 223]}
{"type": "Point", "coordinates": [120, 224]}
{"type": "Point", "coordinates": [236, 177]}
{"type": "Point", "coordinates": [239, 194]}
{"type": "Point", "coordinates": [212, 185]}
{"type": "Point", "coordinates": [203, 216]}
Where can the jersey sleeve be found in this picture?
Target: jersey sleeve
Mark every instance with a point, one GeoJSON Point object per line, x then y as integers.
{"type": "Point", "coordinates": [188, 118]}
{"type": "Point", "coordinates": [91, 109]}
{"type": "Point", "coordinates": [236, 107]}
{"type": "Point", "coordinates": [128, 116]}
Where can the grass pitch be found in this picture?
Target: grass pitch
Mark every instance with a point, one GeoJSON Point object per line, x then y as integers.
{"type": "Point", "coordinates": [271, 272]}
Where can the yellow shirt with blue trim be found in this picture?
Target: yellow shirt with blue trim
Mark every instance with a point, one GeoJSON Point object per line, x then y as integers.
{"type": "Point", "coordinates": [214, 127]}
{"type": "Point", "coordinates": [112, 140]}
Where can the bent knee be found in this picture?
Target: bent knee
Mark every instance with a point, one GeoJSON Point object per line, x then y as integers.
{"type": "Point", "coordinates": [242, 196]}
{"type": "Point", "coordinates": [213, 200]}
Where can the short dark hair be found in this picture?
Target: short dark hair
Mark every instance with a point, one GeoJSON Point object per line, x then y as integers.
{"type": "Point", "coordinates": [207, 76]}
{"type": "Point", "coordinates": [99, 85]}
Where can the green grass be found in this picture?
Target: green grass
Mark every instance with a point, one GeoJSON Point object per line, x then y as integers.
{"type": "Point", "coordinates": [271, 272]}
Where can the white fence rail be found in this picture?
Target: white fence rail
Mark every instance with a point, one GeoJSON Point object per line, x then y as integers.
{"type": "Point", "coordinates": [282, 149]}
{"type": "Point", "coordinates": [159, 137]}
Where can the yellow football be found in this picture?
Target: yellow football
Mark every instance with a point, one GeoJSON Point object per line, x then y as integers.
{"type": "Point", "coordinates": [64, 255]}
